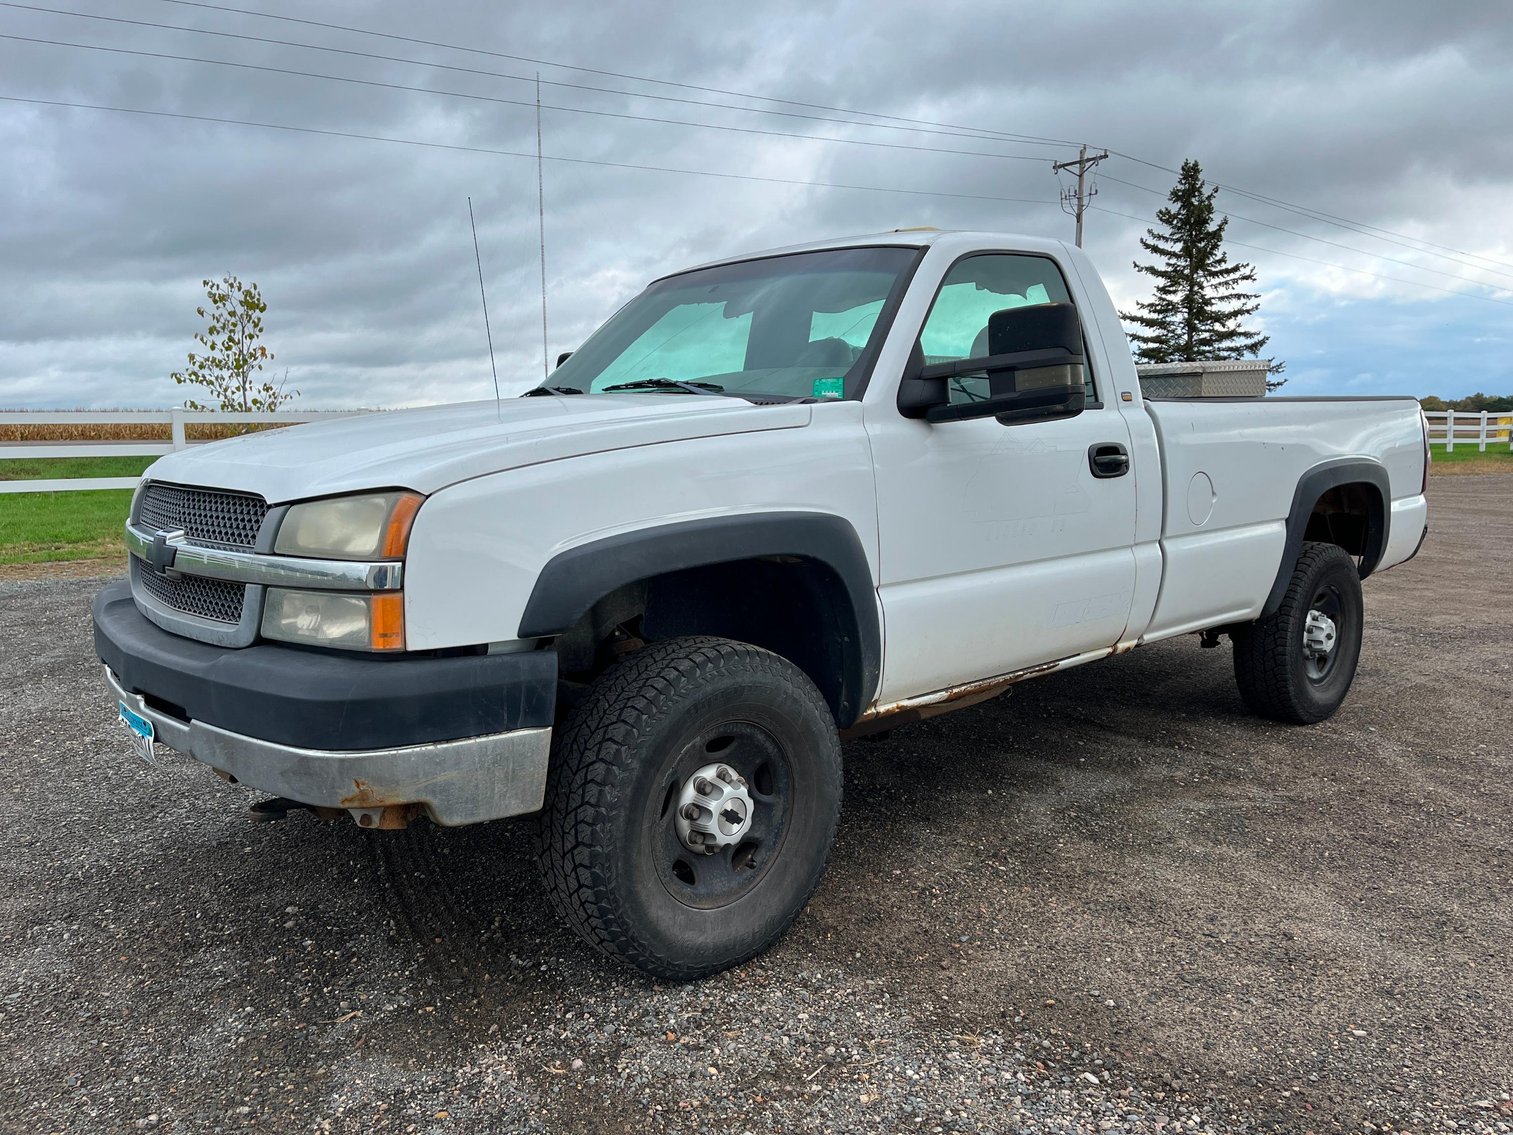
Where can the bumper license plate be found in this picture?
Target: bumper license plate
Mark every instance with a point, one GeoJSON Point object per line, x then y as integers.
{"type": "Point", "coordinates": [139, 730]}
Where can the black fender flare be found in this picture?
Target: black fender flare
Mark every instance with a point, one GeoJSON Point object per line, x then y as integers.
{"type": "Point", "coordinates": [1312, 485]}
{"type": "Point", "coordinates": [574, 580]}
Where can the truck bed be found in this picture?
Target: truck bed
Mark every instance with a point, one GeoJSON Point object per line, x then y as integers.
{"type": "Point", "coordinates": [1230, 469]}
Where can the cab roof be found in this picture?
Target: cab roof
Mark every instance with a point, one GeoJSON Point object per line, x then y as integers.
{"type": "Point", "coordinates": [961, 239]}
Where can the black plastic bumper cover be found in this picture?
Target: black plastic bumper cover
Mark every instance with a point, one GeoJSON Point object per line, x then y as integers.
{"type": "Point", "coordinates": [319, 700]}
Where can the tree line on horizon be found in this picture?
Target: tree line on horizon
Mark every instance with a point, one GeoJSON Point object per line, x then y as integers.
{"type": "Point", "coordinates": [1474, 403]}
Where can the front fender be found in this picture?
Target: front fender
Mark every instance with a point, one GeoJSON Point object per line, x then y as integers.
{"type": "Point", "coordinates": [574, 580]}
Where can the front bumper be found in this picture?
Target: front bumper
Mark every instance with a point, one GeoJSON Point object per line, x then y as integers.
{"type": "Point", "coordinates": [464, 739]}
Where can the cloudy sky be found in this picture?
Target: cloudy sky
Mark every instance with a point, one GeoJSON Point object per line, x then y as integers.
{"type": "Point", "coordinates": [1367, 147]}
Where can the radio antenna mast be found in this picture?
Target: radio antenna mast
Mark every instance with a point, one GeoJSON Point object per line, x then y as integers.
{"type": "Point", "coordinates": [484, 297]}
{"type": "Point", "coordinates": [541, 224]}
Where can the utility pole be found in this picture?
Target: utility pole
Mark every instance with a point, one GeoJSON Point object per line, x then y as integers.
{"type": "Point", "coordinates": [1075, 202]}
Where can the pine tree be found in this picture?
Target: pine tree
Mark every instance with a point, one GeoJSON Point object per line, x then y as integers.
{"type": "Point", "coordinates": [1198, 308]}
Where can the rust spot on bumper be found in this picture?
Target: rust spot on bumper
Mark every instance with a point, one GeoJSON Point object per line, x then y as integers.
{"type": "Point", "coordinates": [380, 809]}
{"type": "Point", "coordinates": [364, 795]}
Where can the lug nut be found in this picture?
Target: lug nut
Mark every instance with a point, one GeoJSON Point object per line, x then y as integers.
{"type": "Point", "coordinates": [695, 837]}
{"type": "Point", "coordinates": [703, 787]}
{"type": "Point", "coordinates": [724, 774]}
{"type": "Point", "coordinates": [690, 811]}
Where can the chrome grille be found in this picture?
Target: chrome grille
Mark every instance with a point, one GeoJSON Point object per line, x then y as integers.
{"type": "Point", "coordinates": [213, 599]}
{"type": "Point", "coordinates": [208, 516]}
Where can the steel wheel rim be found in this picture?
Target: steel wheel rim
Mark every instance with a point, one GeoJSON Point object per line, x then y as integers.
{"type": "Point", "coordinates": [1320, 664]}
{"type": "Point", "coordinates": [710, 881]}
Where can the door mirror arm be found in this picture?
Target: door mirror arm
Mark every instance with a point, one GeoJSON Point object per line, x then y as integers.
{"type": "Point", "coordinates": [1015, 406]}
{"type": "Point", "coordinates": [1051, 381]}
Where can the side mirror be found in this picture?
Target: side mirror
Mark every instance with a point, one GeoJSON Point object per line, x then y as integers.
{"type": "Point", "coordinates": [1034, 369]}
{"type": "Point", "coordinates": [563, 357]}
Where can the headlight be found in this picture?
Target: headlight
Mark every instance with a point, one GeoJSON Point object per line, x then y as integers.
{"type": "Point", "coordinates": [334, 618]}
{"type": "Point", "coordinates": [366, 527]}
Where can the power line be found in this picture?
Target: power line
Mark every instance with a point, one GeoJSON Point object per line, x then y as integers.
{"type": "Point", "coordinates": [504, 101]}
{"type": "Point", "coordinates": [1328, 218]}
{"type": "Point", "coordinates": [517, 153]}
{"type": "Point", "coordinates": [923, 126]}
{"type": "Point", "coordinates": [982, 134]}
{"type": "Point", "coordinates": [987, 136]}
{"type": "Point", "coordinates": [1371, 230]}
{"type": "Point", "coordinates": [1028, 138]}
{"type": "Point", "coordinates": [1332, 243]}
{"type": "Point", "coordinates": [1327, 263]}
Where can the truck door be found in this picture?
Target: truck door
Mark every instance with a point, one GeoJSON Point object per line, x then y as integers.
{"type": "Point", "coordinates": [1000, 546]}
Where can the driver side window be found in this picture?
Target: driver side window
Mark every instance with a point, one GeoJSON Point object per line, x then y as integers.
{"type": "Point", "coordinates": [976, 287]}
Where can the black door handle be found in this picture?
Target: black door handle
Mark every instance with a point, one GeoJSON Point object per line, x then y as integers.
{"type": "Point", "coordinates": [1108, 459]}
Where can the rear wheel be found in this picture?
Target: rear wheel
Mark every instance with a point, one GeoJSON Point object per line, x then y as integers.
{"type": "Point", "coordinates": [1297, 664]}
{"type": "Point", "coordinates": [691, 805]}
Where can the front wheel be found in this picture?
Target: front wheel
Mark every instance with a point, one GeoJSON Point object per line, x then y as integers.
{"type": "Point", "coordinates": [690, 807]}
{"type": "Point", "coordinates": [1297, 664]}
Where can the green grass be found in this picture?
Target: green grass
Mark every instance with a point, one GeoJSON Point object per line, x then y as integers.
{"type": "Point", "coordinates": [1466, 458]}
{"type": "Point", "coordinates": [45, 527]}
{"type": "Point", "coordinates": [40, 528]}
{"type": "Point", "coordinates": [47, 468]}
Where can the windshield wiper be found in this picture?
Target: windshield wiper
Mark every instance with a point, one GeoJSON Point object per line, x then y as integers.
{"type": "Point", "coordinates": [537, 391]}
{"type": "Point", "coordinates": [667, 384]}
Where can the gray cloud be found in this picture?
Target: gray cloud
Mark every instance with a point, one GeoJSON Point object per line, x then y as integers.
{"type": "Point", "coordinates": [1393, 114]}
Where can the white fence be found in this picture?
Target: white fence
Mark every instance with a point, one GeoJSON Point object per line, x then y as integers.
{"type": "Point", "coordinates": [175, 420]}
{"type": "Point", "coordinates": [1481, 428]}
{"type": "Point", "coordinates": [1449, 428]}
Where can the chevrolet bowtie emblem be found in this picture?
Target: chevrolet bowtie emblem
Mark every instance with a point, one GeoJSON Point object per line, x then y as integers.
{"type": "Point", "coordinates": [161, 553]}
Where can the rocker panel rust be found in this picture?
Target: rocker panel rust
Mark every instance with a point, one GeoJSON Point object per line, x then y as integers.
{"type": "Point", "coordinates": [886, 715]}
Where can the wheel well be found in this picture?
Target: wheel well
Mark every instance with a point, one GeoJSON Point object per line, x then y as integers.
{"type": "Point", "coordinates": [1350, 516]}
{"type": "Point", "coordinates": [1341, 502]}
{"type": "Point", "coordinates": [796, 607]}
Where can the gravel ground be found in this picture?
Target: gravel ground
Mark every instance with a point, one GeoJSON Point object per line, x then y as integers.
{"type": "Point", "coordinates": [1108, 902]}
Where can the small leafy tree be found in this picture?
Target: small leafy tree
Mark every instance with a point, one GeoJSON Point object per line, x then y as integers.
{"type": "Point", "coordinates": [234, 355]}
{"type": "Point", "coordinates": [1198, 309]}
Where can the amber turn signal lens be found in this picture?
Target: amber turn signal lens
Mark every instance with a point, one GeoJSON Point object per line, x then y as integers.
{"type": "Point", "coordinates": [387, 624]}
{"type": "Point", "coordinates": [397, 530]}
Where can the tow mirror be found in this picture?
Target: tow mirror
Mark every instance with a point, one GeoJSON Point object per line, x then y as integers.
{"type": "Point", "coordinates": [1033, 370]}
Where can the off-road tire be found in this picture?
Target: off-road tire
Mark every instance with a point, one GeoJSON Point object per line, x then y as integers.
{"type": "Point", "coordinates": [619, 760]}
{"type": "Point", "coordinates": [1272, 665]}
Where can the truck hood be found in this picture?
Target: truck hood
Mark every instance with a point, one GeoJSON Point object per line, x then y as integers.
{"type": "Point", "coordinates": [428, 449]}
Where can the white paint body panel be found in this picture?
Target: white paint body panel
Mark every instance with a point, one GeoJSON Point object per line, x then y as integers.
{"type": "Point", "coordinates": [431, 448]}
{"type": "Point", "coordinates": [992, 547]}
{"type": "Point", "coordinates": [478, 547]}
{"type": "Point", "coordinates": [998, 549]}
{"type": "Point", "coordinates": [1220, 568]}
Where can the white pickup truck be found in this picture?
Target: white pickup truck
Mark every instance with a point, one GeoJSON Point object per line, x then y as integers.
{"type": "Point", "coordinates": [775, 501]}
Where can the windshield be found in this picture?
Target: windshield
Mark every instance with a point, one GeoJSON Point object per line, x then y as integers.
{"type": "Point", "coordinates": [799, 326]}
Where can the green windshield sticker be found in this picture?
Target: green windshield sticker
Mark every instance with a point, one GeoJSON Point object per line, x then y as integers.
{"type": "Point", "coordinates": [829, 388]}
